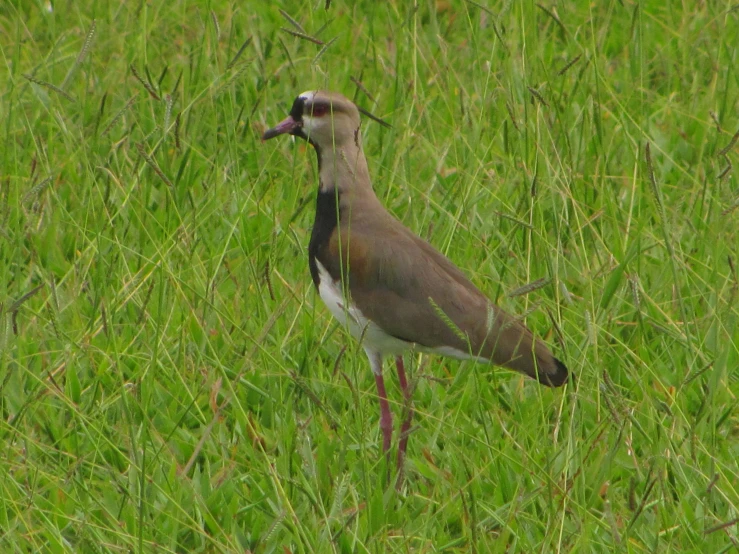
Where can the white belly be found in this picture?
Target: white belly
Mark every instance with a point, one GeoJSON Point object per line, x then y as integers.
{"type": "Point", "coordinates": [351, 317]}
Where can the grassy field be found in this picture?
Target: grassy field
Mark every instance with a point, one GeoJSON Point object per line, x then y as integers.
{"type": "Point", "coordinates": [170, 380]}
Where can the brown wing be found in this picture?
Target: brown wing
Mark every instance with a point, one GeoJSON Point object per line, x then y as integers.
{"type": "Point", "coordinates": [402, 283]}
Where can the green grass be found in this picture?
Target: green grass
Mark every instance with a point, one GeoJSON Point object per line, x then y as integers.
{"type": "Point", "coordinates": [169, 379]}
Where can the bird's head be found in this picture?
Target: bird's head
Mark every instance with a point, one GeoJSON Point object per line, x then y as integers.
{"type": "Point", "coordinates": [327, 120]}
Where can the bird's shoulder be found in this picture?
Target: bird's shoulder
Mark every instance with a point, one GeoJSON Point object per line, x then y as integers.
{"type": "Point", "coordinates": [381, 253]}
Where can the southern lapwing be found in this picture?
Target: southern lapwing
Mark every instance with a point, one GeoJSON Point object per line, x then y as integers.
{"type": "Point", "coordinates": [391, 289]}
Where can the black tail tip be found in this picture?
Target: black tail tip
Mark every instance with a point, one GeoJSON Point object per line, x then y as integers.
{"type": "Point", "coordinates": [559, 377]}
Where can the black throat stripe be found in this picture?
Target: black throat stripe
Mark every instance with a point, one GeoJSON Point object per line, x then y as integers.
{"type": "Point", "coordinates": [327, 219]}
{"type": "Point", "coordinates": [296, 112]}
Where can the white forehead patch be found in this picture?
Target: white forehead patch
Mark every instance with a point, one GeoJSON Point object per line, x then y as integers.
{"type": "Point", "coordinates": [308, 121]}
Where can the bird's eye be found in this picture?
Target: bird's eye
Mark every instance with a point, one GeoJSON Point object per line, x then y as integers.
{"type": "Point", "coordinates": [319, 110]}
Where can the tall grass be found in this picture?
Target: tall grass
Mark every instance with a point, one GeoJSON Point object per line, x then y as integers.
{"type": "Point", "coordinates": [169, 380]}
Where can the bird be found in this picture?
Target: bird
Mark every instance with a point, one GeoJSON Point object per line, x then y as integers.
{"type": "Point", "coordinates": [393, 290]}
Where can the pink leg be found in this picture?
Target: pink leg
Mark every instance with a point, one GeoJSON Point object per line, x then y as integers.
{"type": "Point", "coordinates": [386, 417]}
{"type": "Point", "coordinates": [408, 408]}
